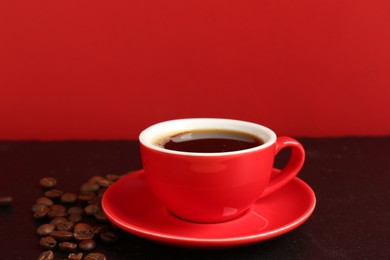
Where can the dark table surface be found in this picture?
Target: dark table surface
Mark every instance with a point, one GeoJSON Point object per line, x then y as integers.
{"type": "Point", "coordinates": [350, 176]}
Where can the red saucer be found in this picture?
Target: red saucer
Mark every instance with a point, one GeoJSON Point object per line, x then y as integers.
{"type": "Point", "coordinates": [131, 206]}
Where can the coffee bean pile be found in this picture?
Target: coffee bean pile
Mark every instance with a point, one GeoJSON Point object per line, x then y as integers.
{"type": "Point", "coordinates": [70, 223]}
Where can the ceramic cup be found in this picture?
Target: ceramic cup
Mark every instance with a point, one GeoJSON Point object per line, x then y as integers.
{"type": "Point", "coordinates": [215, 187]}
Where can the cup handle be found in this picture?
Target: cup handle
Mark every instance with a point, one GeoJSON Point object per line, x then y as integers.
{"type": "Point", "coordinates": [293, 166]}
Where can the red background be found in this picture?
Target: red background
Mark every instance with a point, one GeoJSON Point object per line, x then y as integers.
{"type": "Point", "coordinates": [107, 69]}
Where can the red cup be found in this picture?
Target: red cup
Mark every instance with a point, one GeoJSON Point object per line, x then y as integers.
{"type": "Point", "coordinates": [215, 187]}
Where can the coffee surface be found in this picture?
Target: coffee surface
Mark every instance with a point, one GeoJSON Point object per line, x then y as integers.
{"type": "Point", "coordinates": [211, 141]}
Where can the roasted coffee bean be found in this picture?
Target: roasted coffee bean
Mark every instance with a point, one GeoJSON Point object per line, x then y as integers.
{"type": "Point", "coordinates": [45, 229]}
{"type": "Point", "coordinates": [91, 209]}
{"type": "Point", "coordinates": [46, 255]}
{"type": "Point", "coordinates": [98, 229]}
{"type": "Point", "coordinates": [76, 218]}
{"type": "Point", "coordinates": [87, 197]}
{"type": "Point", "coordinates": [41, 213]}
{"type": "Point", "coordinates": [89, 187]}
{"type": "Point", "coordinates": [6, 201]}
{"type": "Point", "coordinates": [113, 177]}
{"type": "Point", "coordinates": [58, 220]}
{"type": "Point", "coordinates": [94, 179]}
{"type": "Point", "coordinates": [87, 245]}
{"type": "Point", "coordinates": [82, 231]}
{"type": "Point", "coordinates": [62, 235]}
{"type": "Point", "coordinates": [95, 256]}
{"type": "Point", "coordinates": [48, 182]}
{"type": "Point", "coordinates": [99, 215]}
{"type": "Point", "coordinates": [47, 242]}
{"type": "Point", "coordinates": [36, 207]}
{"type": "Point", "coordinates": [75, 210]}
{"type": "Point", "coordinates": [57, 210]}
{"type": "Point", "coordinates": [56, 214]}
{"type": "Point", "coordinates": [65, 226]}
{"type": "Point", "coordinates": [68, 197]}
{"type": "Point", "coordinates": [67, 246]}
{"type": "Point", "coordinates": [45, 201]}
{"type": "Point", "coordinates": [81, 227]}
{"type": "Point", "coordinates": [73, 256]}
{"type": "Point", "coordinates": [109, 237]}
{"type": "Point", "coordinates": [104, 183]}
{"type": "Point", "coordinates": [58, 207]}
{"type": "Point", "coordinates": [53, 193]}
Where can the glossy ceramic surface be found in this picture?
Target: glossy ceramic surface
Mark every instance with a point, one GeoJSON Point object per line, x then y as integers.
{"type": "Point", "coordinates": [131, 205]}
{"type": "Point", "coordinates": [215, 187]}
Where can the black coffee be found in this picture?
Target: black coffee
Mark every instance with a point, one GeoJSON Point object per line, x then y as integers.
{"type": "Point", "coordinates": [211, 141]}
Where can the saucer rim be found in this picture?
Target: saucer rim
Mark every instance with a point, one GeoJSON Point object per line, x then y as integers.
{"type": "Point", "coordinates": [210, 242]}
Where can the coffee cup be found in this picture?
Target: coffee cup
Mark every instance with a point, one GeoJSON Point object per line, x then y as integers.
{"type": "Point", "coordinates": [189, 171]}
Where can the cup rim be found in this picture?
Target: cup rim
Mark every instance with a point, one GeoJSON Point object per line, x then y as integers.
{"type": "Point", "coordinates": [175, 126]}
